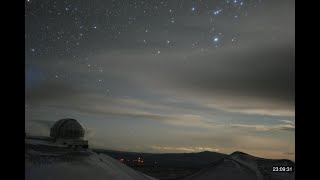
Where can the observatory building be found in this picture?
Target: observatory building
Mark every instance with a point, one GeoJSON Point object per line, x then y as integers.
{"type": "Point", "coordinates": [68, 132]}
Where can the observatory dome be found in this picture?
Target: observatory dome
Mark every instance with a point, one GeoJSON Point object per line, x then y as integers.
{"type": "Point", "coordinates": [67, 129]}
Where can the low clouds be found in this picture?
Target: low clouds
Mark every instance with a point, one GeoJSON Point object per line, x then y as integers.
{"type": "Point", "coordinates": [250, 84]}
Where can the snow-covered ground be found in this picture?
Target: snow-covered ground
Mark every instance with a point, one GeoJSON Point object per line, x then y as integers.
{"type": "Point", "coordinates": [43, 162]}
{"type": "Point", "coordinates": [241, 166]}
{"type": "Point", "coordinates": [42, 142]}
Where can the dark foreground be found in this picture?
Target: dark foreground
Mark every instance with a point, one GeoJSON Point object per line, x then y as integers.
{"type": "Point", "coordinates": [204, 165]}
{"type": "Point", "coordinates": [46, 160]}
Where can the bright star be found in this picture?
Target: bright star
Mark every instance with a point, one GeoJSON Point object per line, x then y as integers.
{"type": "Point", "coordinates": [216, 39]}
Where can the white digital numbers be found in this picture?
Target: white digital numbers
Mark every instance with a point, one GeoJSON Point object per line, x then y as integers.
{"type": "Point", "coordinates": [282, 169]}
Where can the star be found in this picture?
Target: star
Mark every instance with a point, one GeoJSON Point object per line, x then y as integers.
{"type": "Point", "coordinates": [215, 39]}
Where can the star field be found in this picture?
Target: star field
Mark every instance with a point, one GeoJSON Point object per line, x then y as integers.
{"type": "Point", "coordinates": [79, 28]}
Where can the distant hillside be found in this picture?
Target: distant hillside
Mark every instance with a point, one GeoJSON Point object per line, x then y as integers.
{"type": "Point", "coordinates": [166, 166]}
{"type": "Point", "coordinates": [196, 160]}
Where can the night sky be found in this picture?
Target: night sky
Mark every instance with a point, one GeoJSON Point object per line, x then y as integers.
{"type": "Point", "coordinates": [165, 75]}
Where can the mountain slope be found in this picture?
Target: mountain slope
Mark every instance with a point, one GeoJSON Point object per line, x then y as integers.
{"type": "Point", "coordinates": [242, 166]}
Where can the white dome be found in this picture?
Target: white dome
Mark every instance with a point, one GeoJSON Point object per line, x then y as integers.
{"type": "Point", "coordinates": [67, 129]}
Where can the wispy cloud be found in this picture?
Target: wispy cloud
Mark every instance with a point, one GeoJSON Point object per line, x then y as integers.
{"type": "Point", "coordinates": [284, 127]}
{"type": "Point", "coordinates": [184, 149]}
{"type": "Point", "coordinates": [288, 121]}
{"type": "Point", "coordinates": [252, 106]}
